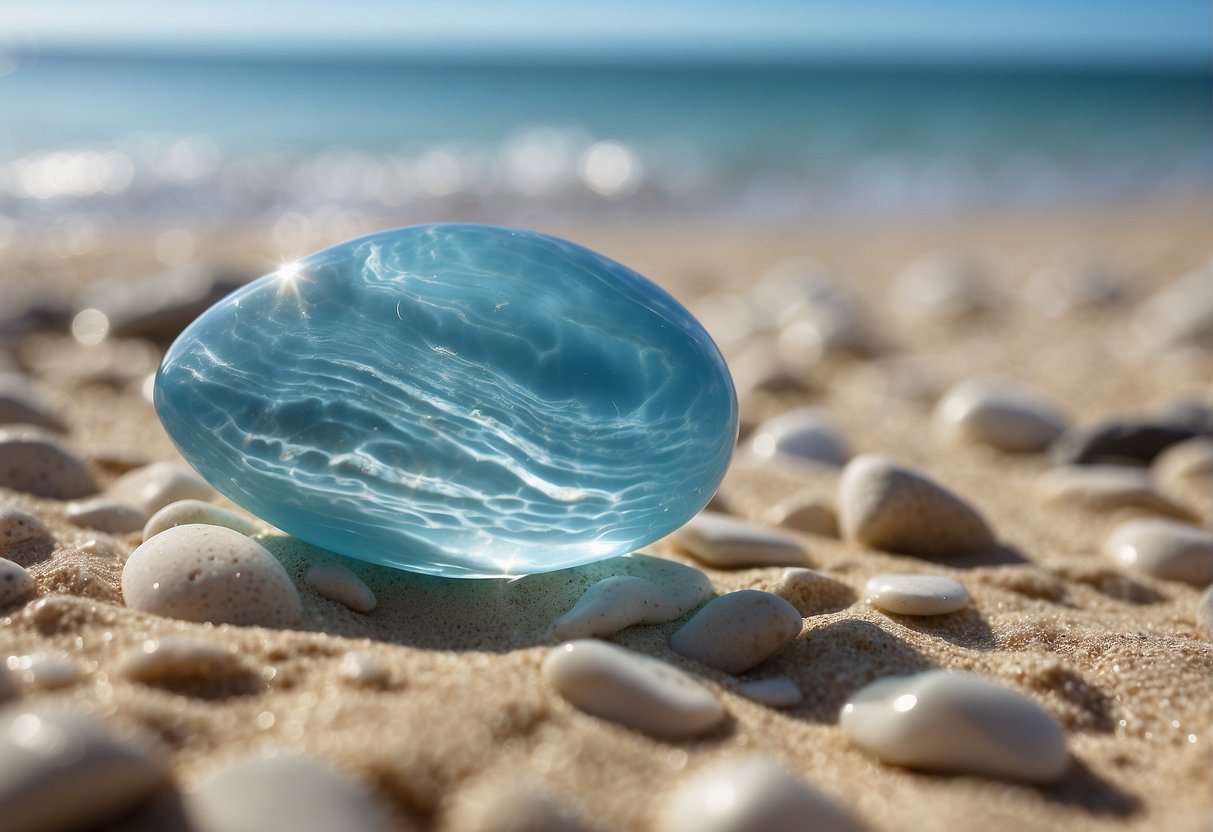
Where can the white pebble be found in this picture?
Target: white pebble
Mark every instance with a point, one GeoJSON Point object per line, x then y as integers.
{"type": "Point", "coordinates": [154, 486]}
{"type": "Point", "coordinates": [750, 793]}
{"type": "Point", "coordinates": [738, 631]}
{"type": "Point", "coordinates": [941, 287]}
{"type": "Point", "coordinates": [636, 691]}
{"type": "Point", "coordinates": [803, 434]}
{"type": "Point", "coordinates": [364, 670]}
{"type": "Point", "coordinates": [727, 543]}
{"type": "Point", "coordinates": [1104, 488]}
{"type": "Point", "coordinates": [774, 691]}
{"type": "Point", "coordinates": [887, 506]}
{"type": "Point", "coordinates": [284, 792]}
{"type": "Point", "coordinates": [1164, 549]}
{"type": "Point", "coordinates": [210, 573]}
{"type": "Point", "coordinates": [1204, 612]}
{"type": "Point", "coordinates": [189, 512]}
{"type": "Point", "coordinates": [508, 805]}
{"type": "Point", "coordinates": [16, 584]}
{"type": "Point", "coordinates": [620, 601]}
{"type": "Point", "coordinates": [105, 514]}
{"type": "Point", "coordinates": [811, 513]}
{"type": "Point", "coordinates": [172, 662]}
{"type": "Point", "coordinates": [337, 583]}
{"type": "Point", "coordinates": [64, 771]}
{"type": "Point", "coordinates": [35, 462]}
{"type": "Point", "coordinates": [17, 527]}
{"type": "Point", "coordinates": [988, 412]}
{"type": "Point", "coordinates": [916, 594]}
{"type": "Point", "coordinates": [956, 723]}
{"type": "Point", "coordinates": [43, 671]}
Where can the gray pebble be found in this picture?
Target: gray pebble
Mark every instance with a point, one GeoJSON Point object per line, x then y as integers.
{"type": "Point", "coordinates": [17, 527]}
{"type": "Point", "coordinates": [36, 463]}
{"type": "Point", "coordinates": [999, 414]}
{"type": "Point", "coordinates": [337, 583]}
{"type": "Point", "coordinates": [1117, 442]}
{"type": "Point", "coordinates": [62, 771]}
{"type": "Point", "coordinates": [16, 584]}
{"type": "Point", "coordinates": [801, 434]}
{"type": "Point", "coordinates": [105, 514]}
{"type": "Point", "coordinates": [774, 691]}
{"type": "Point", "coordinates": [154, 486]}
{"type": "Point", "coordinates": [916, 594]}
{"type": "Point", "coordinates": [1164, 549]}
{"type": "Point", "coordinates": [616, 603]}
{"type": "Point", "coordinates": [727, 543]}
{"type": "Point", "coordinates": [941, 288]}
{"type": "Point", "coordinates": [738, 631]}
{"type": "Point", "coordinates": [806, 512]}
{"type": "Point", "coordinates": [22, 402]}
{"type": "Point", "coordinates": [887, 506]}
{"type": "Point", "coordinates": [284, 792]}
{"type": "Point", "coordinates": [1106, 488]}
{"type": "Point", "coordinates": [187, 512]}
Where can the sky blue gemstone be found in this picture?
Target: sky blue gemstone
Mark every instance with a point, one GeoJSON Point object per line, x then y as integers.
{"type": "Point", "coordinates": [461, 400]}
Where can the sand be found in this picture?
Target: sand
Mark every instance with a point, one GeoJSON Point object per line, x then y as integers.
{"type": "Point", "coordinates": [456, 705]}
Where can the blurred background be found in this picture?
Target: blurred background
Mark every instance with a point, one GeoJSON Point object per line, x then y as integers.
{"type": "Point", "coordinates": [293, 117]}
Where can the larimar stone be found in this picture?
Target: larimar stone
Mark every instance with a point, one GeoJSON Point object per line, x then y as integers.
{"type": "Point", "coordinates": [455, 399]}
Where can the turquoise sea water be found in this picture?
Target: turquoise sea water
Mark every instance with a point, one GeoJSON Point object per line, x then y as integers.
{"type": "Point", "coordinates": [248, 136]}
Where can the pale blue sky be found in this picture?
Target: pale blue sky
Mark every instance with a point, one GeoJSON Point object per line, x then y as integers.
{"type": "Point", "coordinates": [1073, 31]}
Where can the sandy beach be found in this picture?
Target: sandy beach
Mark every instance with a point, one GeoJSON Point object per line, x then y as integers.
{"type": "Point", "coordinates": [435, 703]}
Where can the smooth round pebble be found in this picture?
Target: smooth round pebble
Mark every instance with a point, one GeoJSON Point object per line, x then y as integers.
{"type": "Point", "coordinates": [916, 594]}
{"type": "Point", "coordinates": [36, 463]}
{"type": "Point", "coordinates": [284, 792]}
{"type": "Point", "coordinates": [728, 543]}
{"type": "Point", "coordinates": [172, 662]}
{"type": "Point", "coordinates": [337, 583]}
{"type": "Point", "coordinates": [105, 514]}
{"type": "Point", "coordinates": [804, 434]}
{"type": "Point", "coordinates": [65, 771]}
{"type": "Point", "coordinates": [17, 526]}
{"type": "Point", "coordinates": [738, 631]}
{"type": "Point", "coordinates": [635, 691]}
{"type": "Point", "coordinates": [750, 793]}
{"type": "Point", "coordinates": [887, 506]}
{"type": "Point", "coordinates": [154, 486]}
{"type": "Point", "coordinates": [1164, 549]}
{"type": "Point", "coordinates": [956, 723]}
{"type": "Point", "coordinates": [189, 512]}
{"type": "Point", "coordinates": [774, 691]}
{"type": "Point", "coordinates": [811, 592]}
{"type": "Point", "coordinates": [43, 671]}
{"type": "Point", "coordinates": [23, 402]}
{"type": "Point", "coordinates": [1105, 488]}
{"type": "Point", "coordinates": [998, 414]}
{"type": "Point", "coordinates": [210, 573]}
{"type": "Point", "coordinates": [618, 602]}
{"type": "Point", "coordinates": [16, 584]}
{"type": "Point", "coordinates": [1204, 612]}
{"type": "Point", "coordinates": [504, 805]}
{"type": "Point", "coordinates": [809, 513]}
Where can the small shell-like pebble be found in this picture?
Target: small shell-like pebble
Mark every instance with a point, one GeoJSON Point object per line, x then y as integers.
{"type": "Point", "coordinates": [16, 584]}
{"type": "Point", "coordinates": [916, 594]}
{"type": "Point", "coordinates": [336, 583]}
{"type": "Point", "coordinates": [43, 671]}
{"type": "Point", "coordinates": [509, 806]}
{"type": "Point", "coordinates": [36, 463]}
{"type": "Point", "coordinates": [738, 631]}
{"type": "Point", "coordinates": [620, 601]}
{"type": "Point", "coordinates": [887, 506]}
{"type": "Point", "coordinates": [66, 771]}
{"type": "Point", "coordinates": [154, 486]}
{"type": "Point", "coordinates": [636, 691]}
{"type": "Point", "coordinates": [801, 434]}
{"type": "Point", "coordinates": [105, 514]}
{"type": "Point", "coordinates": [188, 512]}
{"type": "Point", "coordinates": [956, 723]}
{"type": "Point", "coordinates": [1163, 548]}
{"type": "Point", "coordinates": [210, 573]}
{"type": "Point", "coordinates": [17, 526]}
{"type": "Point", "coordinates": [774, 691]}
{"type": "Point", "coordinates": [284, 792]}
{"type": "Point", "coordinates": [987, 412]}
{"type": "Point", "coordinates": [750, 793]}
{"type": "Point", "coordinates": [1104, 488]}
{"type": "Point", "coordinates": [727, 543]}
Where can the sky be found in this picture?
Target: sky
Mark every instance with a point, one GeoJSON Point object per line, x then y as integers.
{"type": "Point", "coordinates": [1053, 31]}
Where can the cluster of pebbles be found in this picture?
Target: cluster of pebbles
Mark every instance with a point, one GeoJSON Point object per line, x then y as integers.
{"type": "Point", "coordinates": [846, 604]}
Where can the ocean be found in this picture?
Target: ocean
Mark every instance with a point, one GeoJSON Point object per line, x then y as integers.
{"type": "Point", "coordinates": [138, 138]}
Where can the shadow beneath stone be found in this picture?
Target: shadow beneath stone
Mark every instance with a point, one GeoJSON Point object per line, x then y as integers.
{"type": "Point", "coordinates": [966, 628]}
{"type": "Point", "coordinates": [163, 812]}
{"type": "Point", "coordinates": [1084, 789]}
{"type": "Point", "coordinates": [999, 555]}
{"type": "Point", "coordinates": [30, 552]}
{"type": "Point", "coordinates": [831, 661]}
{"type": "Point", "coordinates": [1111, 583]}
{"type": "Point", "coordinates": [489, 614]}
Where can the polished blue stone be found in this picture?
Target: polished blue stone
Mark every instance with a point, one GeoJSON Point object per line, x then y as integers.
{"type": "Point", "coordinates": [455, 399]}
